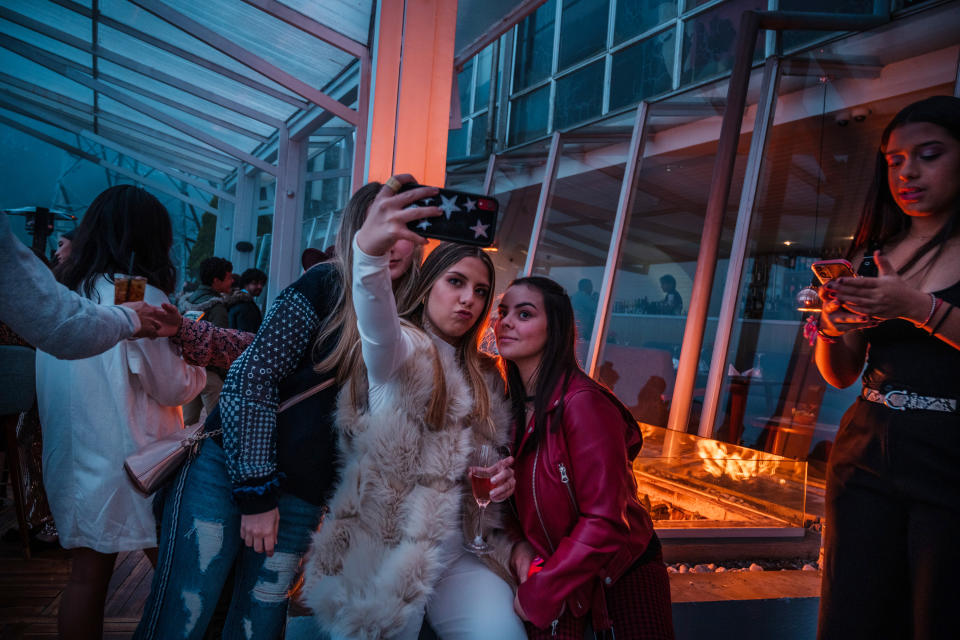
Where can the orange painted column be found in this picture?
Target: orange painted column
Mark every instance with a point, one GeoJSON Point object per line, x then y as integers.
{"type": "Point", "coordinates": [411, 89]}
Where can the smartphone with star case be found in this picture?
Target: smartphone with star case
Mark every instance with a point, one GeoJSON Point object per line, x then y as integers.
{"type": "Point", "coordinates": [467, 218]}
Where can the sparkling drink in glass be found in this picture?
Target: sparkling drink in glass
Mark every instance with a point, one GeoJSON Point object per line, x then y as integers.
{"type": "Point", "coordinates": [137, 288]}
{"type": "Point", "coordinates": [482, 469]}
{"type": "Point", "coordinates": [121, 288]}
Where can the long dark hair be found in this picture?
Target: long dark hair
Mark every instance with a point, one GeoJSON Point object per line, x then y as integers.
{"type": "Point", "coordinates": [123, 222]}
{"type": "Point", "coordinates": [559, 361]}
{"type": "Point", "coordinates": [882, 219]}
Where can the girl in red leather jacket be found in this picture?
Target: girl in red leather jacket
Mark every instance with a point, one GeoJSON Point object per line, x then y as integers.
{"type": "Point", "coordinates": [576, 495]}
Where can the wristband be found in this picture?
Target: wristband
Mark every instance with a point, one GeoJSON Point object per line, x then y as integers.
{"type": "Point", "coordinates": [946, 314]}
{"type": "Point", "coordinates": [826, 337]}
{"type": "Point", "coordinates": [934, 305]}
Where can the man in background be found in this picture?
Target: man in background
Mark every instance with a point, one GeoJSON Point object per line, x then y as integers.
{"type": "Point", "coordinates": [244, 313]}
{"type": "Point", "coordinates": [216, 280]}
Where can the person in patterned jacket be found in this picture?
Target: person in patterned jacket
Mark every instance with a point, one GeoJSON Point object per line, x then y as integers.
{"type": "Point", "coordinates": [251, 498]}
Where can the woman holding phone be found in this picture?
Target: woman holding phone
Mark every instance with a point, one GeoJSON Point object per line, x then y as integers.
{"type": "Point", "coordinates": [251, 498]}
{"type": "Point", "coordinates": [595, 555]}
{"type": "Point", "coordinates": [422, 399]}
{"type": "Point", "coordinates": [893, 480]}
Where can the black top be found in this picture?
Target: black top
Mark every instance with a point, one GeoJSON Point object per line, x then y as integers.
{"type": "Point", "coordinates": [295, 450]}
{"type": "Point", "coordinates": [901, 356]}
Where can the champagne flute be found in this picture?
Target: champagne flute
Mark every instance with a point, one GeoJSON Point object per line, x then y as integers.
{"type": "Point", "coordinates": [482, 469]}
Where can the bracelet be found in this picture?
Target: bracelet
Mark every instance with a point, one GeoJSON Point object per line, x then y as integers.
{"type": "Point", "coordinates": [946, 314]}
{"type": "Point", "coordinates": [934, 303]}
{"type": "Point", "coordinates": [826, 337]}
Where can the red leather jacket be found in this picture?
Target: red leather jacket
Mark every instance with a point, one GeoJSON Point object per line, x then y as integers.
{"type": "Point", "coordinates": [577, 501]}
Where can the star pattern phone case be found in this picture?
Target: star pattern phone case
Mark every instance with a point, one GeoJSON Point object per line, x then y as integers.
{"type": "Point", "coordinates": [467, 218]}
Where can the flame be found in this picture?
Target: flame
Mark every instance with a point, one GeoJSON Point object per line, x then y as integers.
{"type": "Point", "coordinates": [719, 459]}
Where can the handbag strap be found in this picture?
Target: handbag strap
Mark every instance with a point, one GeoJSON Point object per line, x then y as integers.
{"type": "Point", "coordinates": [303, 395]}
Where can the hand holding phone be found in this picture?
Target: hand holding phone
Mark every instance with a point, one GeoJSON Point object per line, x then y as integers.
{"type": "Point", "coordinates": [468, 218]}
{"type": "Point", "coordinates": [827, 270]}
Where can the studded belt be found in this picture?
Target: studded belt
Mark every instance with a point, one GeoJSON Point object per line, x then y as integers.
{"type": "Point", "coordinates": [902, 400]}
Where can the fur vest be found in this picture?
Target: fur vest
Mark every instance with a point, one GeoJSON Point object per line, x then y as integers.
{"type": "Point", "coordinates": [402, 493]}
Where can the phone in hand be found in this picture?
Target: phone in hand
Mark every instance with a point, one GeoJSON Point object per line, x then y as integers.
{"type": "Point", "coordinates": [827, 270]}
{"type": "Point", "coordinates": [467, 218]}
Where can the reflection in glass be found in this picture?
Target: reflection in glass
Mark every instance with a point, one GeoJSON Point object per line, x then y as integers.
{"type": "Point", "coordinates": [578, 224]}
{"type": "Point", "coordinates": [482, 94]}
{"type": "Point", "coordinates": [465, 85]}
{"type": "Point", "coordinates": [654, 276]}
{"type": "Point", "coordinates": [709, 40]}
{"type": "Point", "coordinates": [534, 53]}
{"type": "Point", "coordinates": [528, 115]}
{"type": "Point", "coordinates": [457, 141]}
{"type": "Point", "coordinates": [583, 30]}
{"type": "Point", "coordinates": [579, 96]}
{"type": "Point", "coordinates": [814, 179]}
{"type": "Point", "coordinates": [643, 70]}
{"type": "Point", "coordinates": [325, 198]}
{"type": "Point", "coordinates": [478, 135]}
{"type": "Point", "coordinates": [793, 39]}
{"type": "Point", "coordinates": [633, 18]}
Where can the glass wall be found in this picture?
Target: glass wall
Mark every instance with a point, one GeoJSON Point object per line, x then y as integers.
{"type": "Point", "coordinates": [815, 176]}
{"type": "Point", "coordinates": [654, 276]}
{"type": "Point", "coordinates": [574, 61]}
{"type": "Point", "coordinates": [327, 189]}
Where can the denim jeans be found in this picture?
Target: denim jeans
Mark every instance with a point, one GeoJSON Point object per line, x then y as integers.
{"type": "Point", "coordinates": [200, 541]}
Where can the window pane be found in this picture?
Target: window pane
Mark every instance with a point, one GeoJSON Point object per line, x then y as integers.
{"type": "Point", "coordinates": [643, 70]}
{"type": "Point", "coordinates": [482, 95]}
{"type": "Point", "coordinates": [583, 30]}
{"type": "Point", "coordinates": [636, 16]}
{"type": "Point", "coordinates": [709, 40]}
{"type": "Point", "coordinates": [795, 39]}
{"type": "Point", "coordinates": [478, 135]}
{"type": "Point", "coordinates": [535, 47]}
{"type": "Point", "coordinates": [577, 229]}
{"type": "Point", "coordinates": [464, 81]}
{"type": "Point", "coordinates": [457, 141]}
{"type": "Point", "coordinates": [528, 116]}
{"type": "Point", "coordinates": [579, 96]}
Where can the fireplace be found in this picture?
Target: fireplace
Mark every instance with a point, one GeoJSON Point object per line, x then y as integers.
{"type": "Point", "coordinates": [699, 487]}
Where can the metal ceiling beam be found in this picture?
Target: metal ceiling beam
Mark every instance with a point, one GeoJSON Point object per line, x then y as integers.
{"type": "Point", "coordinates": [153, 184]}
{"type": "Point", "coordinates": [174, 172]}
{"type": "Point", "coordinates": [497, 29]}
{"type": "Point", "coordinates": [251, 60]}
{"type": "Point", "coordinates": [86, 109]}
{"type": "Point", "coordinates": [37, 111]}
{"type": "Point", "coordinates": [208, 157]}
{"type": "Point", "coordinates": [309, 25]}
{"type": "Point", "coordinates": [138, 67]}
{"type": "Point", "coordinates": [47, 60]}
{"type": "Point", "coordinates": [197, 113]}
{"type": "Point", "coordinates": [186, 55]}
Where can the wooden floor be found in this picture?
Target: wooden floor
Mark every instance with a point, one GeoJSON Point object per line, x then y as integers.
{"type": "Point", "coordinates": [30, 590]}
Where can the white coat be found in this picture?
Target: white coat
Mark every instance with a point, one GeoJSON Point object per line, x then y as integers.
{"type": "Point", "coordinates": [94, 413]}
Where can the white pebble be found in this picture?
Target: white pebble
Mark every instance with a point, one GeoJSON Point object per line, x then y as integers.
{"type": "Point", "coordinates": [809, 567]}
{"type": "Point", "coordinates": [671, 569]}
{"type": "Point", "coordinates": [755, 567]}
{"type": "Point", "coordinates": [683, 568]}
{"type": "Point", "coordinates": [721, 570]}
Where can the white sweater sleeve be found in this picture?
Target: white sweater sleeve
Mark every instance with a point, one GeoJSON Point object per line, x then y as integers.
{"type": "Point", "coordinates": [48, 315]}
{"type": "Point", "coordinates": [384, 345]}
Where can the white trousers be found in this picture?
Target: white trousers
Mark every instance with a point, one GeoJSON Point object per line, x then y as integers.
{"type": "Point", "coordinates": [470, 602]}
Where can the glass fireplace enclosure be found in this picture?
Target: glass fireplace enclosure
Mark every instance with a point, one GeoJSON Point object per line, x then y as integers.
{"type": "Point", "coordinates": [615, 210]}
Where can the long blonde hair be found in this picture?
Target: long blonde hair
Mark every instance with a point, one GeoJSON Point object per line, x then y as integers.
{"type": "Point", "coordinates": [345, 360]}
{"type": "Point", "coordinates": [441, 260]}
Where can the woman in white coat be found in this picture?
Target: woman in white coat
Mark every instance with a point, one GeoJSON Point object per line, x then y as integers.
{"type": "Point", "coordinates": [98, 410]}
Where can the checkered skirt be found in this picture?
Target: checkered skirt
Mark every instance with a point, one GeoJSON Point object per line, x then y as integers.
{"type": "Point", "coordinates": [638, 603]}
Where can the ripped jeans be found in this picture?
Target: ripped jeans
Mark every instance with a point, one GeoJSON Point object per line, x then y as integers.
{"type": "Point", "coordinates": [199, 543]}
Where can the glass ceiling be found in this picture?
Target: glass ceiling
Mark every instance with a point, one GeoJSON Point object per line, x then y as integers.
{"type": "Point", "coordinates": [196, 86]}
